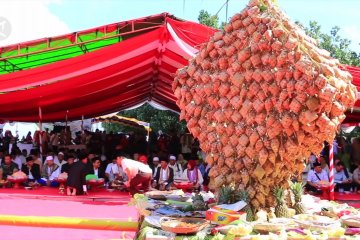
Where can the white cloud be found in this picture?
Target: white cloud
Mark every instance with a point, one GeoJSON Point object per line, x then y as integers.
{"type": "Point", "coordinates": [352, 32]}
{"type": "Point", "coordinates": [31, 20]}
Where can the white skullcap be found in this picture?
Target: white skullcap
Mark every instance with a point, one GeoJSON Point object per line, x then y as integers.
{"type": "Point", "coordinates": [49, 158]}
{"type": "Point", "coordinates": [172, 157]}
{"type": "Point", "coordinates": [61, 153]}
{"type": "Point", "coordinates": [156, 159]}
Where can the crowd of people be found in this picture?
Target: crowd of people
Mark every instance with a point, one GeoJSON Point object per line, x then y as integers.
{"type": "Point", "coordinates": [128, 161]}
{"type": "Point", "coordinates": [346, 170]}
{"type": "Point", "coordinates": [125, 161]}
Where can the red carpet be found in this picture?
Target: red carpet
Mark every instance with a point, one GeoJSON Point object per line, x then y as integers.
{"type": "Point", "coordinates": [347, 197]}
{"type": "Point", "coordinates": [34, 233]}
{"type": "Point", "coordinates": [355, 205]}
{"type": "Point", "coordinates": [54, 193]}
{"type": "Point", "coordinates": [85, 209]}
{"type": "Point", "coordinates": [48, 202]}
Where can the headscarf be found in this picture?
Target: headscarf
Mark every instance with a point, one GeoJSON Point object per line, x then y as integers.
{"type": "Point", "coordinates": [143, 159]}
{"type": "Point", "coordinates": [192, 173]}
{"type": "Point", "coordinates": [192, 164]}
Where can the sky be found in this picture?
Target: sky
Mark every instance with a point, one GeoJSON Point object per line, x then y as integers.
{"type": "Point", "coordinates": [33, 19]}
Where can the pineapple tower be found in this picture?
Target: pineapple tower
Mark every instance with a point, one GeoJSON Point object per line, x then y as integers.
{"type": "Point", "coordinates": [260, 96]}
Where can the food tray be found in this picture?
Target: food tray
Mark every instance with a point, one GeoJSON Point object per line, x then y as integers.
{"type": "Point", "coordinates": [157, 195]}
{"type": "Point", "coordinates": [269, 227]}
{"type": "Point", "coordinates": [178, 198]}
{"type": "Point", "coordinates": [318, 226]}
{"type": "Point", "coordinates": [351, 221]}
{"type": "Point", "coordinates": [183, 225]}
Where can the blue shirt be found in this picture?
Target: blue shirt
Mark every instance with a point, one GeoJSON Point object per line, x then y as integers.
{"type": "Point", "coordinates": [202, 169]}
{"type": "Point", "coordinates": [339, 177]}
{"type": "Point", "coordinates": [314, 179]}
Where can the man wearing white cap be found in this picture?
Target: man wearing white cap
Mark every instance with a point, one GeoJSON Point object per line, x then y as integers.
{"type": "Point", "coordinates": [178, 171]}
{"type": "Point", "coordinates": [60, 160]}
{"type": "Point", "coordinates": [50, 173]}
{"type": "Point", "coordinates": [155, 166]}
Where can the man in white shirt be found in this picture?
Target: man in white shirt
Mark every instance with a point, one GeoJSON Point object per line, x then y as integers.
{"type": "Point", "coordinates": [138, 172]}
{"type": "Point", "coordinates": [60, 159]}
{"type": "Point", "coordinates": [50, 173]}
{"type": "Point", "coordinates": [108, 171]}
{"type": "Point", "coordinates": [356, 178]}
{"type": "Point", "coordinates": [18, 158]}
{"type": "Point", "coordinates": [316, 177]}
{"type": "Point", "coordinates": [164, 177]}
{"type": "Point", "coordinates": [340, 179]}
{"type": "Point", "coordinates": [176, 167]}
{"type": "Point", "coordinates": [118, 173]}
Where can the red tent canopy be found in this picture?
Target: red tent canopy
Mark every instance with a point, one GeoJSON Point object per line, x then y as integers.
{"type": "Point", "coordinates": [116, 77]}
{"type": "Point", "coordinates": [98, 78]}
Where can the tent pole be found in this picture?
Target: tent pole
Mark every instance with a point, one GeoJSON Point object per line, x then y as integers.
{"type": "Point", "coordinates": [66, 120]}
{"type": "Point", "coordinates": [148, 133]}
{"type": "Point", "coordinates": [148, 139]}
{"type": "Point", "coordinates": [82, 123]}
{"type": "Point", "coordinates": [331, 171]}
{"type": "Point", "coordinates": [40, 133]}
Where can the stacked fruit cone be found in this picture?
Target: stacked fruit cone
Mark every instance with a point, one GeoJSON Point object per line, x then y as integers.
{"type": "Point", "coordinates": [260, 96]}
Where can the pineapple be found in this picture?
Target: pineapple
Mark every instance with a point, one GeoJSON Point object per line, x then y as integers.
{"type": "Point", "coordinates": [198, 203]}
{"type": "Point", "coordinates": [227, 195]}
{"type": "Point", "coordinates": [244, 196]}
{"type": "Point", "coordinates": [298, 190]}
{"type": "Point", "coordinates": [281, 209]}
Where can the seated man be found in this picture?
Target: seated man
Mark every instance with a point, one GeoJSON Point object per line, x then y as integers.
{"type": "Point", "coordinates": [8, 167]}
{"type": "Point", "coordinates": [76, 181]}
{"type": "Point", "coordinates": [206, 176]}
{"type": "Point", "coordinates": [200, 165]}
{"type": "Point", "coordinates": [69, 163]}
{"type": "Point", "coordinates": [356, 178]}
{"type": "Point", "coordinates": [193, 174]}
{"type": "Point", "coordinates": [176, 167]}
{"type": "Point", "coordinates": [50, 173]}
{"type": "Point", "coordinates": [60, 160]}
{"type": "Point", "coordinates": [31, 169]}
{"type": "Point", "coordinates": [19, 159]}
{"type": "Point", "coordinates": [36, 156]}
{"type": "Point", "coordinates": [340, 179]}
{"type": "Point", "coordinates": [164, 177]}
{"type": "Point", "coordinates": [136, 156]}
{"type": "Point", "coordinates": [96, 169]}
{"type": "Point", "coordinates": [315, 177]}
{"type": "Point", "coordinates": [108, 171]}
{"type": "Point", "coordinates": [155, 167]}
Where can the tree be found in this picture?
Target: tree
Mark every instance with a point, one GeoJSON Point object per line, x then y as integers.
{"type": "Point", "coordinates": [338, 47]}
{"type": "Point", "coordinates": [207, 19]}
{"type": "Point", "coordinates": [166, 121]}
